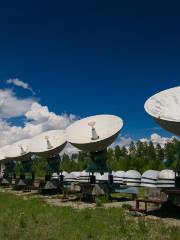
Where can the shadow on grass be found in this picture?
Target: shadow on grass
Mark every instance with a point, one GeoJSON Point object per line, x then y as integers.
{"type": "Point", "coordinates": [167, 211]}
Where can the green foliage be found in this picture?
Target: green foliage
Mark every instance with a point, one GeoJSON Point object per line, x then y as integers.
{"type": "Point", "coordinates": [101, 200]}
{"type": "Point", "coordinates": [126, 206]}
{"type": "Point", "coordinates": [76, 162]}
{"type": "Point", "coordinates": [39, 166]}
{"type": "Point", "coordinates": [143, 156]}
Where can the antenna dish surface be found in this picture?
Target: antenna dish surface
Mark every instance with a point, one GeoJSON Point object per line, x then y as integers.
{"type": "Point", "coordinates": [2, 155]}
{"type": "Point", "coordinates": [48, 143]}
{"type": "Point", "coordinates": [94, 133]}
{"type": "Point", "coordinates": [164, 107]}
{"type": "Point", "coordinates": [19, 150]}
{"type": "Point", "coordinates": [3, 152]}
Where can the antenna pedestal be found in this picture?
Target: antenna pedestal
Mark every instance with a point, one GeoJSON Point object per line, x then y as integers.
{"type": "Point", "coordinates": [26, 166]}
{"type": "Point", "coordinates": [9, 169]}
{"type": "Point", "coordinates": [24, 183]}
{"type": "Point", "coordinates": [98, 162]}
{"type": "Point", "coordinates": [8, 173]}
{"type": "Point", "coordinates": [53, 166]}
{"type": "Point", "coordinates": [177, 170]}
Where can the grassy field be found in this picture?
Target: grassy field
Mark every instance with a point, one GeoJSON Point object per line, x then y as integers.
{"type": "Point", "coordinates": [26, 219]}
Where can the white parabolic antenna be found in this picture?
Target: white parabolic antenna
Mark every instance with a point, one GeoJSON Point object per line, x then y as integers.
{"type": "Point", "coordinates": [94, 133]}
{"type": "Point", "coordinates": [19, 150]}
{"type": "Point", "coordinates": [164, 107]}
{"type": "Point", "coordinates": [3, 153]}
{"type": "Point", "coordinates": [48, 143]}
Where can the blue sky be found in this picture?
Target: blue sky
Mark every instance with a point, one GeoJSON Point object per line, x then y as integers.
{"type": "Point", "coordinates": [92, 57]}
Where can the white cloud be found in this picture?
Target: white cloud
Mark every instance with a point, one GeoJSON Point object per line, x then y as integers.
{"type": "Point", "coordinates": [19, 83]}
{"type": "Point", "coordinates": [39, 114]}
{"type": "Point", "coordinates": [11, 106]}
{"type": "Point", "coordinates": [157, 139]}
{"type": "Point", "coordinates": [125, 141]}
{"type": "Point", "coordinates": [122, 141]}
{"type": "Point", "coordinates": [10, 134]}
{"type": "Point", "coordinates": [41, 118]}
{"type": "Point", "coordinates": [38, 118]}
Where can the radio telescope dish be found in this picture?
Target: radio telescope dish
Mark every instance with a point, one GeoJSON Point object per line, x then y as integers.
{"type": "Point", "coordinates": [19, 150]}
{"type": "Point", "coordinates": [94, 133]}
{"type": "Point", "coordinates": [3, 153]}
{"type": "Point", "coordinates": [48, 143]}
{"type": "Point", "coordinates": [2, 159]}
{"type": "Point", "coordinates": [164, 107]}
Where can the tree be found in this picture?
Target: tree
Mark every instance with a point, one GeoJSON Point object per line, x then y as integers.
{"type": "Point", "coordinates": [132, 149]}
{"type": "Point", "coordinates": [139, 155]}
{"type": "Point", "coordinates": [159, 157]}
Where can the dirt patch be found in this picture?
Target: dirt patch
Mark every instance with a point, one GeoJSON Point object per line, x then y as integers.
{"type": "Point", "coordinates": [76, 205]}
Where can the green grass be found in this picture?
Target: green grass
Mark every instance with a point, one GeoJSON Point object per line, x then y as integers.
{"type": "Point", "coordinates": [26, 219]}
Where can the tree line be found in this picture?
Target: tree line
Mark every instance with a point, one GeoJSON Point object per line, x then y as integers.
{"type": "Point", "coordinates": [140, 156]}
